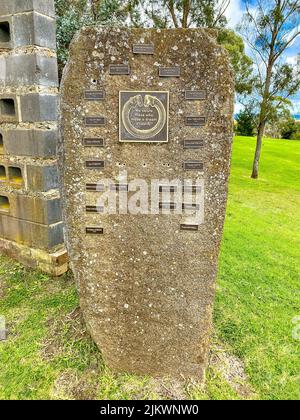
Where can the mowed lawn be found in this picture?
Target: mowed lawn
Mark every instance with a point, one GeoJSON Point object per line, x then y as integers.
{"type": "Point", "coordinates": [49, 355]}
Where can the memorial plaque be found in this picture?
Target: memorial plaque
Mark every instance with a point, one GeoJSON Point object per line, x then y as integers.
{"type": "Point", "coordinates": [119, 187]}
{"type": "Point", "coordinates": [95, 121]}
{"type": "Point", "coordinates": [144, 116]}
{"type": "Point", "coordinates": [119, 70]}
{"type": "Point", "coordinates": [95, 164]}
{"type": "Point", "coordinates": [195, 121]}
{"type": "Point", "coordinates": [169, 71]}
{"type": "Point", "coordinates": [167, 188]}
{"type": "Point", "coordinates": [147, 49]}
{"type": "Point", "coordinates": [94, 231]}
{"type": "Point", "coordinates": [94, 209]}
{"type": "Point", "coordinates": [190, 206]}
{"type": "Point", "coordinates": [146, 276]}
{"type": "Point", "coordinates": [193, 144]}
{"type": "Point", "coordinates": [192, 189]}
{"type": "Point", "coordinates": [195, 95]}
{"type": "Point", "coordinates": [95, 187]}
{"type": "Point", "coordinates": [94, 95]}
{"type": "Point", "coordinates": [193, 166]}
{"type": "Point", "coordinates": [93, 142]}
{"type": "Point", "coordinates": [167, 206]}
{"type": "Point", "coordinates": [191, 228]}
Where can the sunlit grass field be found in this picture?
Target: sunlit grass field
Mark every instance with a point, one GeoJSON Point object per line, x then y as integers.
{"type": "Point", "coordinates": [49, 355]}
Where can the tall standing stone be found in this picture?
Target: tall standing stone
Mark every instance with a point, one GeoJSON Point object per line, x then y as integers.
{"type": "Point", "coordinates": [158, 104]}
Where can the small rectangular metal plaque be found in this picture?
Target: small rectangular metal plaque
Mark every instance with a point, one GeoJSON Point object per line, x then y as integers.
{"type": "Point", "coordinates": [95, 121]}
{"type": "Point", "coordinates": [195, 95]}
{"type": "Point", "coordinates": [191, 228]}
{"type": "Point", "coordinates": [119, 70]}
{"type": "Point", "coordinates": [169, 71]}
{"type": "Point", "coordinates": [192, 189]}
{"type": "Point", "coordinates": [195, 165]}
{"type": "Point", "coordinates": [147, 49]}
{"type": "Point", "coordinates": [193, 144]}
{"type": "Point", "coordinates": [93, 142]}
{"type": "Point", "coordinates": [190, 206]}
{"type": "Point", "coordinates": [167, 206]}
{"type": "Point", "coordinates": [94, 95]}
{"type": "Point", "coordinates": [94, 231]}
{"type": "Point", "coordinates": [95, 187]}
{"type": "Point", "coordinates": [167, 188]}
{"type": "Point", "coordinates": [119, 187]}
{"type": "Point", "coordinates": [195, 121]}
{"type": "Point", "coordinates": [94, 209]}
{"type": "Point", "coordinates": [95, 164]}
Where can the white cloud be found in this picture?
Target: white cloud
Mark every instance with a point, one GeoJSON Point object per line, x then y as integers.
{"type": "Point", "coordinates": [234, 13]}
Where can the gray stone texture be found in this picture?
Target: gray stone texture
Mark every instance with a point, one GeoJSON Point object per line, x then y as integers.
{"type": "Point", "coordinates": [38, 107]}
{"type": "Point", "coordinates": [10, 7]}
{"type": "Point", "coordinates": [31, 234]}
{"type": "Point", "coordinates": [29, 70]}
{"type": "Point", "coordinates": [35, 143]}
{"type": "Point", "coordinates": [146, 286]}
{"type": "Point", "coordinates": [42, 178]}
{"type": "Point", "coordinates": [33, 29]}
{"type": "Point", "coordinates": [6, 37]}
{"type": "Point", "coordinates": [9, 109]}
{"type": "Point", "coordinates": [34, 209]}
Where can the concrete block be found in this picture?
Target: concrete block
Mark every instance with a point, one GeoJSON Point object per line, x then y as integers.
{"type": "Point", "coordinates": [9, 109]}
{"type": "Point", "coordinates": [31, 70]}
{"type": "Point", "coordinates": [2, 71]}
{"type": "Point", "coordinates": [42, 178]}
{"type": "Point", "coordinates": [12, 174]}
{"type": "Point", "coordinates": [6, 33]}
{"type": "Point", "coordinates": [31, 234]}
{"type": "Point", "coordinates": [38, 107]}
{"type": "Point", "coordinates": [35, 143]}
{"type": "Point", "coordinates": [33, 29]}
{"type": "Point", "coordinates": [10, 7]}
{"type": "Point", "coordinates": [33, 209]}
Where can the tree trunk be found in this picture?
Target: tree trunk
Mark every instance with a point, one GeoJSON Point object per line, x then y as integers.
{"type": "Point", "coordinates": [263, 117]}
{"type": "Point", "coordinates": [260, 135]}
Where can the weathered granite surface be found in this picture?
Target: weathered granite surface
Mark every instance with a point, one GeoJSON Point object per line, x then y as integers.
{"type": "Point", "coordinates": [146, 286]}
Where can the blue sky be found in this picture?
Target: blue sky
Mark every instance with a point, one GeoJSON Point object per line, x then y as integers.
{"type": "Point", "coordinates": [234, 15]}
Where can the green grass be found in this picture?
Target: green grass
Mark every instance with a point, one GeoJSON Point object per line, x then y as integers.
{"type": "Point", "coordinates": [48, 354]}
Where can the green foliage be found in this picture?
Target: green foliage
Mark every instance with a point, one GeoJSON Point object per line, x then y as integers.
{"type": "Point", "coordinates": [72, 15]}
{"type": "Point", "coordinates": [241, 63]}
{"type": "Point", "coordinates": [288, 128]}
{"type": "Point", "coordinates": [70, 18]}
{"type": "Point", "coordinates": [185, 13]}
{"type": "Point", "coordinates": [270, 29]}
{"type": "Point", "coordinates": [246, 122]}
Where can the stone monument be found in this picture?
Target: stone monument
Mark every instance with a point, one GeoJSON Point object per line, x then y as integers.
{"type": "Point", "coordinates": [145, 159]}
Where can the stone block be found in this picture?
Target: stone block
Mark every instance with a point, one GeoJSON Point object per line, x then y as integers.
{"type": "Point", "coordinates": [33, 29]}
{"type": "Point", "coordinates": [38, 107]}
{"type": "Point", "coordinates": [6, 33]}
{"type": "Point", "coordinates": [2, 71]}
{"type": "Point", "coordinates": [55, 263]}
{"type": "Point", "coordinates": [31, 234]}
{"type": "Point", "coordinates": [42, 178]}
{"type": "Point", "coordinates": [10, 7]}
{"type": "Point", "coordinates": [9, 109]}
{"type": "Point", "coordinates": [24, 69]}
{"type": "Point", "coordinates": [33, 209]}
{"type": "Point", "coordinates": [35, 143]}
